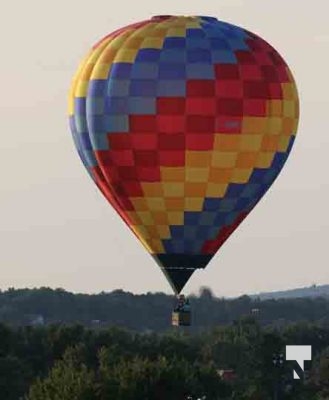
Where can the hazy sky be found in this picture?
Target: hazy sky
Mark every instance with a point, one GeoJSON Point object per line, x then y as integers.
{"type": "Point", "coordinates": [55, 227]}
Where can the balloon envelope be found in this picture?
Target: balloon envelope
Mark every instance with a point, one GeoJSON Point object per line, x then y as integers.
{"type": "Point", "coordinates": [183, 123]}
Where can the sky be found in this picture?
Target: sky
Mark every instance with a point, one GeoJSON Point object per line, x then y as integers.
{"type": "Point", "coordinates": [57, 230]}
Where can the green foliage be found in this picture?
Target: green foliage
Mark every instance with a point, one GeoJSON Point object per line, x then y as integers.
{"type": "Point", "coordinates": [158, 379]}
{"type": "Point", "coordinates": [149, 311]}
{"type": "Point", "coordinates": [69, 379]}
{"type": "Point", "coordinates": [13, 377]}
{"type": "Point", "coordinates": [320, 374]}
{"type": "Point", "coordinates": [76, 361]}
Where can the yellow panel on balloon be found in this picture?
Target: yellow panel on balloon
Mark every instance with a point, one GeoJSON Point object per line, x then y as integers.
{"type": "Point", "coordinates": [175, 218]}
{"type": "Point", "coordinates": [160, 32]}
{"type": "Point", "coordinates": [101, 71]}
{"type": "Point", "coordinates": [156, 204]}
{"type": "Point", "coordinates": [152, 189]}
{"type": "Point", "coordinates": [139, 203]}
{"type": "Point", "coordinates": [283, 143]}
{"type": "Point", "coordinates": [173, 189]}
{"type": "Point", "coordinates": [142, 231]}
{"type": "Point", "coordinates": [254, 125]}
{"type": "Point", "coordinates": [197, 174]}
{"type": "Point", "coordinates": [289, 91]}
{"type": "Point", "coordinates": [145, 217]}
{"type": "Point", "coordinates": [216, 190]}
{"type": "Point", "coordinates": [152, 43]}
{"type": "Point", "coordinates": [177, 32]}
{"type": "Point", "coordinates": [227, 142]}
{"type": "Point", "coordinates": [156, 246]}
{"type": "Point", "coordinates": [241, 175]}
{"type": "Point", "coordinates": [193, 203]}
{"type": "Point", "coordinates": [224, 159]}
{"type": "Point", "coordinates": [251, 142]}
{"type": "Point", "coordinates": [264, 159]}
{"type": "Point", "coordinates": [275, 108]}
{"type": "Point", "coordinates": [126, 56]}
{"type": "Point", "coordinates": [274, 125]}
{"type": "Point", "coordinates": [289, 108]}
{"type": "Point", "coordinates": [192, 24]}
{"type": "Point", "coordinates": [134, 42]}
{"type": "Point", "coordinates": [134, 218]}
{"type": "Point", "coordinates": [119, 41]}
{"type": "Point", "coordinates": [172, 174]}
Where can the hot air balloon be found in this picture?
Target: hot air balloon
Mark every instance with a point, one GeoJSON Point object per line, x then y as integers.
{"type": "Point", "coordinates": [183, 123]}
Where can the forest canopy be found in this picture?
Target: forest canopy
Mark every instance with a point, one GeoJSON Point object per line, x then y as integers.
{"type": "Point", "coordinates": [151, 311]}
{"type": "Point", "coordinates": [58, 345]}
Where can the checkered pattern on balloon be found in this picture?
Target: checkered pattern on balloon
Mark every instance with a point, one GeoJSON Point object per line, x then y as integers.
{"type": "Point", "coordinates": [183, 123]}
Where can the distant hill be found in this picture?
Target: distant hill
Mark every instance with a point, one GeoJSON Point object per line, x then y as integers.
{"type": "Point", "coordinates": [312, 291]}
{"type": "Point", "coordinates": [152, 311]}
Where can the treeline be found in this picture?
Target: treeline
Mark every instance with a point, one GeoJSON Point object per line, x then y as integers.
{"type": "Point", "coordinates": [78, 363]}
{"type": "Point", "coordinates": [151, 311]}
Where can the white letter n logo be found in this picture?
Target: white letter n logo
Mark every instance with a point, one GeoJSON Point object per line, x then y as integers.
{"type": "Point", "coordinates": [299, 354]}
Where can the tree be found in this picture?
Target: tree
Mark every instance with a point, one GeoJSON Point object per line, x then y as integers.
{"type": "Point", "coordinates": [69, 379]}
{"type": "Point", "coordinates": [13, 377]}
{"type": "Point", "coordinates": [320, 374]}
{"type": "Point", "coordinates": [160, 379]}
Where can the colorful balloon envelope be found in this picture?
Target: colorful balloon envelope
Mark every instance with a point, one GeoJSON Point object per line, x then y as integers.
{"type": "Point", "coordinates": [183, 123]}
